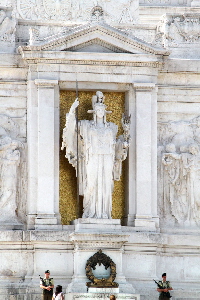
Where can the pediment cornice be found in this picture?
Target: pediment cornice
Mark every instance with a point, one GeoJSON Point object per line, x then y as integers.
{"type": "Point", "coordinates": [102, 34]}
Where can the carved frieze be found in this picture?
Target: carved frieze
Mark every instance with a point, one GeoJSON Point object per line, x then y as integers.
{"type": "Point", "coordinates": [179, 172]}
{"type": "Point", "coordinates": [79, 11]}
{"type": "Point", "coordinates": [174, 30]}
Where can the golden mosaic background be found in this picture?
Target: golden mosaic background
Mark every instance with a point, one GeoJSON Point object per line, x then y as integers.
{"type": "Point", "coordinates": [68, 192]}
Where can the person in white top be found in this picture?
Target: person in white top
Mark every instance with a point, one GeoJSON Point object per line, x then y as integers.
{"type": "Point", "coordinates": [58, 295]}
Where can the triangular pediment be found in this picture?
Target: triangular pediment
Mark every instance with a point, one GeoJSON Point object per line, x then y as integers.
{"type": "Point", "coordinates": [96, 46]}
{"type": "Point", "coordinates": [99, 38]}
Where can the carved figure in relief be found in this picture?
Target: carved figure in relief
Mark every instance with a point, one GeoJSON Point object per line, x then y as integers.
{"type": "Point", "coordinates": [171, 162]}
{"type": "Point", "coordinates": [180, 174]}
{"type": "Point", "coordinates": [126, 14]}
{"type": "Point", "coordinates": [9, 164]}
{"type": "Point", "coordinates": [191, 170]}
{"type": "Point", "coordinates": [7, 25]}
{"type": "Point", "coordinates": [99, 156]}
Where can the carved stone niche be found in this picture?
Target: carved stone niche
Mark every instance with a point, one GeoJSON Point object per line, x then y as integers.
{"type": "Point", "coordinates": [101, 258]}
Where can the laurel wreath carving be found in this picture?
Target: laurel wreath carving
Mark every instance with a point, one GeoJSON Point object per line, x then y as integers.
{"type": "Point", "coordinates": [100, 258]}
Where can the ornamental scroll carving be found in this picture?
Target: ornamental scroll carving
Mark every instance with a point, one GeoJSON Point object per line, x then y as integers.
{"type": "Point", "coordinates": [173, 30]}
{"type": "Point", "coordinates": [179, 172]}
{"type": "Point", "coordinates": [98, 259]}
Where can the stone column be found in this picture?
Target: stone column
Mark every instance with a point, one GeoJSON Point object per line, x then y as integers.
{"type": "Point", "coordinates": [46, 208]}
{"type": "Point", "coordinates": [146, 160]}
{"type": "Point", "coordinates": [130, 162]}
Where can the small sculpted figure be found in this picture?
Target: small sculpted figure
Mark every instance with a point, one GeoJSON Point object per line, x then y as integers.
{"type": "Point", "coordinates": [99, 156]}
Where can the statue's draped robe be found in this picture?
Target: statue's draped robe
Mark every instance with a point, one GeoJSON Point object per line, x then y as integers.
{"type": "Point", "coordinates": [98, 163]}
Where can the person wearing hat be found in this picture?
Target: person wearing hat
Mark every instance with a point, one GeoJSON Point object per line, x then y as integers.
{"type": "Point", "coordinates": [164, 288]}
{"type": "Point", "coordinates": [47, 286]}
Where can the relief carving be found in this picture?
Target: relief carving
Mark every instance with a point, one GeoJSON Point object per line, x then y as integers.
{"type": "Point", "coordinates": [10, 167]}
{"type": "Point", "coordinates": [34, 34]}
{"type": "Point", "coordinates": [80, 10]}
{"type": "Point", "coordinates": [173, 30]}
{"type": "Point", "coordinates": [179, 172]}
{"type": "Point", "coordinates": [7, 27]}
{"type": "Point", "coordinates": [97, 14]}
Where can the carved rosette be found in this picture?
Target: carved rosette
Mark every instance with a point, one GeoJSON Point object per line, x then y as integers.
{"type": "Point", "coordinates": [100, 258]}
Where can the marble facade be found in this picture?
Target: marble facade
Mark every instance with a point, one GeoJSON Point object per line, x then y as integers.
{"type": "Point", "coordinates": [148, 50]}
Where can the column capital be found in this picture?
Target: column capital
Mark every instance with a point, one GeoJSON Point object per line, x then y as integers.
{"type": "Point", "coordinates": [143, 86]}
{"type": "Point", "coordinates": [46, 82]}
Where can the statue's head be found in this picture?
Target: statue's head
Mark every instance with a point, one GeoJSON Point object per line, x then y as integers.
{"type": "Point", "coordinates": [100, 97]}
{"type": "Point", "coordinates": [99, 108]}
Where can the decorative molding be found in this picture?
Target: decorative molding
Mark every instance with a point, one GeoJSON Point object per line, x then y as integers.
{"type": "Point", "coordinates": [154, 64]}
{"type": "Point", "coordinates": [144, 86]}
{"type": "Point", "coordinates": [93, 246]}
{"type": "Point", "coordinates": [117, 38]}
{"type": "Point", "coordinates": [100, 43]}
{"type": "Point", "coordinates": [46, 83]}
{"type": "Point", "coordinates": [104, 296]}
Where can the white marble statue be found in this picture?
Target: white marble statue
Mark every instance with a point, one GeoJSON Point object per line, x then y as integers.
{"type": "Point", "coordinates": [100, 156]}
